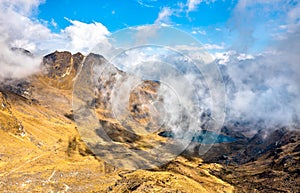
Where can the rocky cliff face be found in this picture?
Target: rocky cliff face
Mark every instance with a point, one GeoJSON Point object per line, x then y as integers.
{"type": "Point", "coordinates": [41, 149]}
{"type": "Point", "coordinates": [61, 68]}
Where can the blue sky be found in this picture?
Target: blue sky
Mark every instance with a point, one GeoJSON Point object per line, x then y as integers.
{"type": "Point", "coordinates": [203, 20]}
{"type": "Point", "coordinates": [248, 26]}
{"type": "Point", "coordinates": [220, 23]}
{"type": "Point", "coordinates": [116, 15]}
{"type": "Point", "coordinates": [207, 21]}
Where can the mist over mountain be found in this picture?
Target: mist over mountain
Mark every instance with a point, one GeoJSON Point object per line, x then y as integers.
{"type": "Point", "coordinates": [255, 95]}
{"type": "Point", "coordinates": [150, 96]}
{"type": "Point", "coordinates": [39, 105]}
{"type": "Point", "coordinates": [263, 88]}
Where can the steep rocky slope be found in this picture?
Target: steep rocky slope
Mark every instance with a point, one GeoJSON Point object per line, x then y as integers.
{"type": "Point", "coordinates": [41, 150]}
{"type": "Point", "coordinates": [266, 162]}
{"type": "Point", "coordinates": [270, 164]}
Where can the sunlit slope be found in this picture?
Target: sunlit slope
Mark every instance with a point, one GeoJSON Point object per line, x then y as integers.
{"type": "Point", "coordinates": [41, 150]}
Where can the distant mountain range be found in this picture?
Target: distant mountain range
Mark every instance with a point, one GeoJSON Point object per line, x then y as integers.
{"type": "Point", "coordinates": [42, 150]}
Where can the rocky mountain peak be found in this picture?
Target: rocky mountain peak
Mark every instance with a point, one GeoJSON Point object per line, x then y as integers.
{"type": "Point", "coordinates": [22, 51]}
{"type": "Point", "coordinates": [61, 68]}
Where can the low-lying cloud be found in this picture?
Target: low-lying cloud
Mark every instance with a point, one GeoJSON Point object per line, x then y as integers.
{"type": "Point", "coordinates": [264, 87]}
{"type": "Point", "coordinates": [18, 31]}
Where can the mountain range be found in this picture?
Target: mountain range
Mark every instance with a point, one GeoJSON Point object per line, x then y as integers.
{"type": "Point", "coordinates": [41, 148]}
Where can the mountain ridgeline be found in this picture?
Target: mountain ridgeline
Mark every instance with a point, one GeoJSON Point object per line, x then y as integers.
{"type": "Point", "coordinates": [42, 150]}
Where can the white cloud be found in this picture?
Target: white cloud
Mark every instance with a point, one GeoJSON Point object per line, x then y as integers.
{"type": "Point", "coordinates": [15, 64]}
{"type": "Point", "coordinates": [192, 5]}
{"type": "Point", "coordinates": [53, 23]}
{"type": "Point", "coordinates": [202, 48]}
{"type": "Point", "coordinates": [264, 87]}
{"type": "Point", "coordinates": [201, 32]}
{"type": "Point", "coordinates": [214, 46]}
{"type": "Point", "coordinates": [83, 37]}
{"type": "Point", "coordinates": [223, 58]}
{"type": "Point", "coordinates": [245, 57]}
{"type": "Point", "coordinates": [17, 30]}
{"type": "Point", "coordinates": [164, 15]}
{"type": "Point", "coordinates": [195, 52]}
{"type": "Point", "coordinates": [145, 32]}
{"type": "Point", "coordinates": [178, 11]}
{"type": "Point", "coordinates": [261, 20]}
{"type": "Point", "coordinates": [23, 7]}
{"type": "Point", "coordinates": [147, 3]}
{"type": "Point", "coordinates": [21, 31]}
{"type": "Point", "coordinates": [188, 48]}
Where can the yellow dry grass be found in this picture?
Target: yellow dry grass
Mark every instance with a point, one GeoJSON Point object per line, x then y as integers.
{"type": "Point", "coordinates": [51, 156]}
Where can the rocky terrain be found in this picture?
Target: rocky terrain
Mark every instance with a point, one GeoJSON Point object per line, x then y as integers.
{"type": "Point", "coordinates": [41, 149]}
{"type": "Point", "coordinates": [265, 163]}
